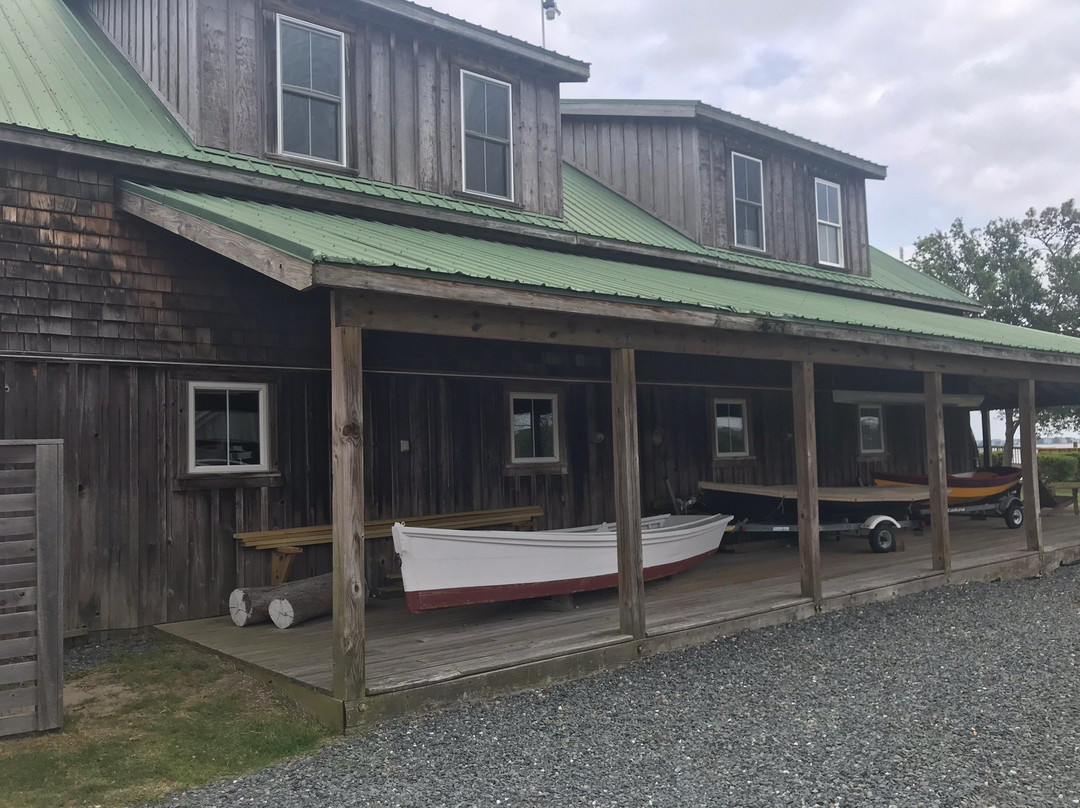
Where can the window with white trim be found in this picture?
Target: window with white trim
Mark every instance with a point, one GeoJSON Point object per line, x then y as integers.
{"type": "Point", "coordinates": [830, 232]}
{"type": "Point", "coordinates": [871, 429]}
{"type": "Point", "coordinates": [730, 435]}
{"type": "Point", "coordinates": [311, 91]}
{"type": "Point", "coordinates": [749, 203]}
{"type": "Point", "coordinates": [227, 427]}
{"type": "Point", "coordinates": [534, 427]}
{"type": "Point", "coordinates": [487, 135]}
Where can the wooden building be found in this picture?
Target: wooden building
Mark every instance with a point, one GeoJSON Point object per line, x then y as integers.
{"type": "Point", "coordinates": [269, 264]}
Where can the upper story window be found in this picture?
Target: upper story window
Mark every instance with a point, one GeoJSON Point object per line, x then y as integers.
{"type": "Point", "coordinates": [749, 207]}
{"type": "Point", "coordinates": [487, 126]}
{"type": "Point", "coordinates": [830, 241]}
{"type": "Point", "coordinates": [227, 427]}
{"type": "Point", "coordinates": [729, 425]}
{"type": "Point", "coordinates": [871, 429]}
{"type": "Point", "coordinates": [311, 91]}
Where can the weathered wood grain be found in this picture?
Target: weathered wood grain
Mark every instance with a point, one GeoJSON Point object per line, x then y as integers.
{"type": "Point", "coordinates": [806, 469]}
{"type": "Point", "coordinates": [624, 418]}
{"type": "Point", "coordinates": [936, 472]}
{"type": "Point", "coordinates": [1029, 455]}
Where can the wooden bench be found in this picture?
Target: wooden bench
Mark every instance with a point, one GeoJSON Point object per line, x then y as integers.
{"type": "Point", "coordinates": [287, 544]}
{"type": "Point", "coordinates": [1069, 489]}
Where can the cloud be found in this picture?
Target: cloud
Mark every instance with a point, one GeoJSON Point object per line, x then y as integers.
{"type": "Point", "coordinates": [973, 104]}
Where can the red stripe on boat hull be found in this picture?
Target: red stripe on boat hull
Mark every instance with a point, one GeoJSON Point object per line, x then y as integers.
{"type": "Point", "coordinates": [424, 600]}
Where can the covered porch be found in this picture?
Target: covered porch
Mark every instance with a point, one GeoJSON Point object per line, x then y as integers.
{"type": "Point", "coordinates": [422, 660]}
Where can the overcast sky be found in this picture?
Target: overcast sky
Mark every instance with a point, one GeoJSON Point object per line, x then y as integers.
{"type": "Point", "coordinates": [974, 105]}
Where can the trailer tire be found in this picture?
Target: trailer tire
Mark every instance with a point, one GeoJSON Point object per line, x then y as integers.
{"type": "Point", "coordinates": [882, 539]}
{"type": "Point", "coordinates": [1014, 515]}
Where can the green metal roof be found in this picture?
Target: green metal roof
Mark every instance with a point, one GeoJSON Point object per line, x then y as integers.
{"type": "Point", "coordinates": [895, 274]}
{"type": "Point", "coordinates": [324, 238]}
{"type": "Point", "coordinates": [57, 76]}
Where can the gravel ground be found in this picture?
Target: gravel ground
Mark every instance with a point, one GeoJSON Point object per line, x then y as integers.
{"type": "Point", "coordinates": [963, 696]}
{"type": "Point", "coordinates": [87, 655]}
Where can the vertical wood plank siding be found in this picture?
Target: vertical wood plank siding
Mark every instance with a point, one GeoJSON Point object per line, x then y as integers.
{"type": "Point", "coordinates": [210, 61]}
{"type": "Point", "coordinates": [678, 171]}
{"type": "Point", "coordinates": [159, 37]}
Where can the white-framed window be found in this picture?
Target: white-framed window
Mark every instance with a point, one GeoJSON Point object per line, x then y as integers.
{"type": "Point", "coordinates": [311, 91]}
{"type": "Point", "coordinates": [730, 434]}
{"type": "Point", "coordinates": [487, 135]}
{"type": "Point", "coordinates": [534, 427]}
{"type": "Point", "coordinates": [747, 186]}
{"type": "Point", "coordinates": [871, 429]}
{"type": "Point", "coordinates": [228, 430]}
{"type": "Point", "coordinates": [830, 232]}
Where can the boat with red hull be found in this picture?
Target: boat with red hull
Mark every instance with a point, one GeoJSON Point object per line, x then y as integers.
{"type": "Point", "coordinates": [966, 488]}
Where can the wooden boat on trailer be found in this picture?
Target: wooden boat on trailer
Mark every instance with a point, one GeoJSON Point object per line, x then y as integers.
{"type": "Point", "coordinates": [443, 567]}
{"type": "Point", "coordinates": [967, 488]}
{"type": "Point", "coordinates": [876, 513]}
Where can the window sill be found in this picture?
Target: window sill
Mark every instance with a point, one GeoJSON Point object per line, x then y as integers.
{"type": "Point", "coordinates": [484, 199]}
{"type": "Point", "coordinates": [528, 469]}
{"type": "Point", "coordinates": [209, 481]}
{"type": "Point", "coordinates": [314, 163]}
{"type": "Point", "coordinates": [756, 251]}
{"type": "Point", "coordinates": [872, 457]}
{"type": "Point", "coordinates": [734, 460]}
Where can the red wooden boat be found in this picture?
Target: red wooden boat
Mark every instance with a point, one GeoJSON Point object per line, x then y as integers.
{"type": "Point", "coordinates": [966, 488]}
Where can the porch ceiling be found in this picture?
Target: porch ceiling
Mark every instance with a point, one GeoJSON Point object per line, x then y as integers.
{"type": "Point", "coordinates": [306, 248]}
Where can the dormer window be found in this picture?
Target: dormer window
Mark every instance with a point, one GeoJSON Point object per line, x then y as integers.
{"type": "Point", "coordinates": [311, 91]}
{"type": "Point", "coordinates": [829, 230]}
{"type": "Point", "coordinates": [487, 126]}
{"type": "Point", "coordinates": [749, 207]}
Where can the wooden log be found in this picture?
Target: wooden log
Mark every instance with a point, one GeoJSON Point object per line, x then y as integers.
{"type": "Point", "coordinates": [1029, 457]}
{"type": "Point", "coordinates": [299, 601]}
{"type": "Point", "coordinates": [627, 493]}
{"type": "Point", "coordinates": [936, 472]}
{"type": "Point", "coordinates": [252, 605]}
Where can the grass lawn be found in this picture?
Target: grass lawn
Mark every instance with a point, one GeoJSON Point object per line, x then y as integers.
{"type": "Point", "coordinates": [144, 723]}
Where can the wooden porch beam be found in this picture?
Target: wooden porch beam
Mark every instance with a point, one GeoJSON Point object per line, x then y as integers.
{"type": "Point", "coordinates": [627, 492]}
{"type": "Point", "coordinates": [1029, 462]}
{"type": "Point", "coordinates": [988, 448]}
{"type": "Point", "coordinates": [802, 389]}
{"type": "Point", "coordinates": [495, 313]}
{"type": "Point", "coordinates": [347, 406]}
{"type": "Point", "coordinates": [936, 471]}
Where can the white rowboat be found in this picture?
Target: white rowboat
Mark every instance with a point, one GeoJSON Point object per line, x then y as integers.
{"type": "Point", "coordinates": [444, 567]}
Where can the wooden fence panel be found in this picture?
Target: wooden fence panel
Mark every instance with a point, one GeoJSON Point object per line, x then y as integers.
{"type": "Point", "coordinates": [31, 597]}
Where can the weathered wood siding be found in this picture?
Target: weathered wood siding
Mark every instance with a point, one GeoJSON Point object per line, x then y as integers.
{"type": "Point", "coordinates": [161, 39]}
{"type": "Point", "coordinates": [213, 63]}
{"type": "Point", "coordinates": [679, 170]}
{"type": "Point", "coordinates": [103, 320]}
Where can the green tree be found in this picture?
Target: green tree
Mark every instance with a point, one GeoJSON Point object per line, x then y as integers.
{"type": "Point", "coordinates": [1023, 272]}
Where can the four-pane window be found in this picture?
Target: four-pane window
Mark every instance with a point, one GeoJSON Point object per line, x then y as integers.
{"type": "Point", "coordinates": [534, 427]}
{"type": "Point", "coordinates": [829, 229]}
{"type": "Point", "coordinates": [749, 208]}
{"type": "Point", "coordinates": [729, 425]}
{"type": "Point", "coordinates": [487, 124]}
{"type": "Point", "coordinates": [871, 429]}
{"type": "Point", "coordinates": [311, 91]}
{"type": "Point", "coordinates": [227, 427]}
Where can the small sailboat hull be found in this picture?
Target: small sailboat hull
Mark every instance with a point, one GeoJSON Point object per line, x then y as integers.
{"type": "Point", "coordinates": [967, 488]}
{"type": "Point", "coordinates": [442, 567]}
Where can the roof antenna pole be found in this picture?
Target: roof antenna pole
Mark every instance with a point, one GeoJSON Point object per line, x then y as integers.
{"type": "Point", "coordinates": [548, 11]}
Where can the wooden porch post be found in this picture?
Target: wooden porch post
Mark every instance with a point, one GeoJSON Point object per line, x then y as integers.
{"type": "Point", "coordinates": [347, 406]}
{"type": "Point", "coordinates": [988, 449]}
{"type": "Point", "coordinates": [1029, 462]}
{"type": "Point", "coordinates": [627, 492]}
{"type": "Point", "coordinates": [935, 469]}
{"type": "Point", "coordinates": [806, 470]}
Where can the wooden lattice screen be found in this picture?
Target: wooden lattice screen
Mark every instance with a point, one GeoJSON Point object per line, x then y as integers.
{"type": "Point", "coordinates": [31, 636]}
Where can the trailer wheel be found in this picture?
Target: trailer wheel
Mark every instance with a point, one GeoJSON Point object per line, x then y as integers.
{"type": "Point", "coordinates": [1014, 515]}
{"type": "Point", "coordinates": [882, 539]}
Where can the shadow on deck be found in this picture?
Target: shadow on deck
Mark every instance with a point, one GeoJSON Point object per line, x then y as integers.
{"type": "Point", "coordinates": [417, 661]}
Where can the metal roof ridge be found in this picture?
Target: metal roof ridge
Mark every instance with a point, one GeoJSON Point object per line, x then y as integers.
{"type": "Point", "coordinates": [654, 106]}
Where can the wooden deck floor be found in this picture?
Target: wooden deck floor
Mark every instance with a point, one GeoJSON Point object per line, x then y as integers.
{"type": "Point", "coordinates": [732, 590]}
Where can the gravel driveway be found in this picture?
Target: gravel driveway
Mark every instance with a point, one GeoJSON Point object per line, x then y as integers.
{"type": "Point", "coordinates": [963, 696]}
